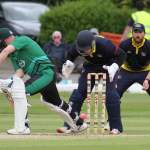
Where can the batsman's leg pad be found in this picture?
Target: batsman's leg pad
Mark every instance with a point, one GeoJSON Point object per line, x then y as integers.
{"type": "Point", "coordinates": [20, 103]}
{"type": "Point", "coordinates": [65, 115]}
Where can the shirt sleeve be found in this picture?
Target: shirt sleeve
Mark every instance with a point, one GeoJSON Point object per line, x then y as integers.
{"type": "Point", "coordinates": [72, 53]}
{"type": "Point", "coordinates": [116, 53]}
{"type": "Point", "coordinates": [109, 48]}
{"type": "Point", "coordinates": [14, 63]}
{"type": "Point", "coordinates": [122, 45]}
{"type": "Point", "coordinates": [19, 43]}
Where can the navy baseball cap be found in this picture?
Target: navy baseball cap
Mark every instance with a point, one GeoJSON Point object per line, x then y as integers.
{"type": "Point", "coordinates": [138, 27]}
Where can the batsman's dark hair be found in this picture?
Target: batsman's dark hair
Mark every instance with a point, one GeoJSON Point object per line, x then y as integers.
{"type": "Point", "coordinates": [2, 45]}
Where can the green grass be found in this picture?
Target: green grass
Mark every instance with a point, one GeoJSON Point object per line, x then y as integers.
{"type": "Point", "coordinates": [135, 117]}
{"type": "Point", "coordinates": [116, 143]}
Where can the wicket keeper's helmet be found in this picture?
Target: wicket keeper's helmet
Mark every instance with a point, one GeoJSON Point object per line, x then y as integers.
{"type": "Point", "coordinates": [84, 41]}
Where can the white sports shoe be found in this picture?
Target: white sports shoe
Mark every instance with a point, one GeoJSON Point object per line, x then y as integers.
{"type": "Point", "coordinates": [81, 128]}
{"type": "Point", "coordinates": [64, 130]}
{"type": "Point", "coordinates": [13, 131]}
{"type": "Point", "coordinates": [115, 132]}
{"type": "Point", "coordinates": [67, 130]}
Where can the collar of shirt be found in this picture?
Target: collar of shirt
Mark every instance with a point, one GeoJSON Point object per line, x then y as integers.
{"type": "Point", "coordinates": [137, 46]}
{"type": "Point", "coordinates": [93, 48]}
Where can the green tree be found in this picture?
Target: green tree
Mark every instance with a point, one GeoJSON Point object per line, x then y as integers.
{"type": "Point", "coordinates": [71, 17]}
{"type": "Point", "coordinates": [131, 3]}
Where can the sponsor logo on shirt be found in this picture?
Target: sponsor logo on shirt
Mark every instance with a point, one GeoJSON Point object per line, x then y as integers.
{"type": "Point", "coordinates": [129, 52]}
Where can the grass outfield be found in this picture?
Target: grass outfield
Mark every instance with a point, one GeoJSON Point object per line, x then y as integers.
{"type": "Point", "coordinates": [135, 116]}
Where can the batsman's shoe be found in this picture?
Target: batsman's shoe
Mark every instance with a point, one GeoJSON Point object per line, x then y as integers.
{"type": "Point", "coordinates": [81, 128]}
{"type": "Point", "coordinates": [13, 131]}
{"type": "Point", "coordinates": [27, 124]}
{"type": "Point", "coordinates": [68, 130]}
{"type": "Point", "coordinates": [115, 132]}
{"type": "Point", "coordinates": [64, 129]}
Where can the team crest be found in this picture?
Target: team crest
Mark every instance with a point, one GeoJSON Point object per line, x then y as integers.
{"type": "Point", "coordinates": [143, 54]}
{"type": "Point", "coordinates": [119, 76]}
{"type": "Point", "coordinates": [21, 63]}
{"type": "Point", "coordinates": [129, 52]}
{"type": "Point", "coordinates": [99, 55]}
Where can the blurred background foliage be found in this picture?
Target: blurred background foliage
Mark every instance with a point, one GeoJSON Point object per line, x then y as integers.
{"type": "Point", "coordinates": [75, 15]}
{"type": "Point", "coordinates": [130, 3]}
{"type": "Point", "coordinates": [120, 3]}
{"type": "Point", "coordinates": [71, 16]}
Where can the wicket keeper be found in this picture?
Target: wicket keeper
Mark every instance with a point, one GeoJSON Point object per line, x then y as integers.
{"type": "Point", "coordinates": [101, 56]}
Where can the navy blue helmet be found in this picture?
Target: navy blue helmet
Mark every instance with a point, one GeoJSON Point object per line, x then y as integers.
{"type": "Point", "coordinates": [84, 41]}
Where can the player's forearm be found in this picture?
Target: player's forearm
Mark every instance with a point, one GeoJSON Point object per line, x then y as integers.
{"type": "Point", "coordinates": [72, 54]}
{"type": "Point", "coordinates": [121, 56]}
{"type": "Point", "coordinates": [3, 56]}
{"type": "Point", "coordinates": [5, 52]}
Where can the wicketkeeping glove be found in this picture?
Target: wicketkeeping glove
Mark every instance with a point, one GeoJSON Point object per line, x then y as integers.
{"type": "Point", "coordinates": [67, 68]}
{"type": "Point", "coordinates": [112, 69]}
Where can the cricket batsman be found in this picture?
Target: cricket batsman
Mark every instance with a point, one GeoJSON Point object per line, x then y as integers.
{"type": "Point", "coordinates": [101, 56]}
{"type": "Point", "coordinates": [28, 58]}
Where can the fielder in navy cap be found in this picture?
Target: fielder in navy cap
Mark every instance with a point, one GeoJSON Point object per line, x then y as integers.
{"type": "Point", "coordinates": [138, 27]}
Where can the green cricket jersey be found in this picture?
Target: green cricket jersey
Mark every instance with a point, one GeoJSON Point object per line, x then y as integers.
{"type": "Point", "coordinates": [32, 60]}
{"type": "Point", "coordinates": [27, 55]}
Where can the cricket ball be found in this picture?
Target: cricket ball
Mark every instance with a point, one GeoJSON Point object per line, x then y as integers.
{"type": "Point", "coordinates": [83, 116]}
